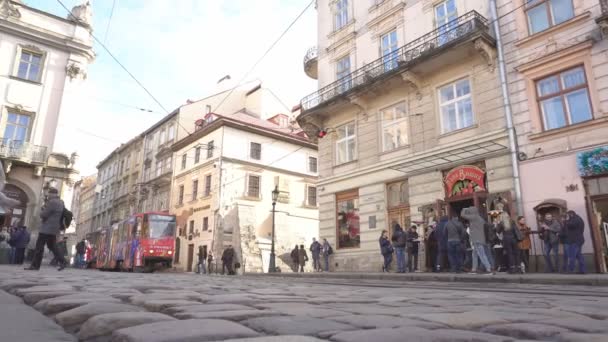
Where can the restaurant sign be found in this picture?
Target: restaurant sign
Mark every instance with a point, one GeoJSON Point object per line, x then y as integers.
{"type": "Point", "coordinates": [593, 162]}
{"type": "Point", "coordinates": [464, 180]}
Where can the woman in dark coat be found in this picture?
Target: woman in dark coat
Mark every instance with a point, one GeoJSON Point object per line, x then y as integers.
{"type": "Point", "coordinates": [386, 249]}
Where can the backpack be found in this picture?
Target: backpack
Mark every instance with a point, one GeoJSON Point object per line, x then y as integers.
{"type": "Point", "coordinates": [330, 251]}
{"type": "Point", "coordinates": [66, 219]}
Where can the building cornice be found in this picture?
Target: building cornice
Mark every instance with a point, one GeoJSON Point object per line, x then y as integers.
{"type": "Point", "coordinates": [262, 167]}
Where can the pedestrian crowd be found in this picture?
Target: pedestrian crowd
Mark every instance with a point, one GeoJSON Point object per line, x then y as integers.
{"type": "Point", "coordinates": [468, 243]}
{"type": "Point", "coordinates": [13, 244]}
{"type": "Point", "coordinates": [299, 257]}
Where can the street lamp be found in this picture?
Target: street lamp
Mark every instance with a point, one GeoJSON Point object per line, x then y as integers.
{"type": "Point", "coordinates": [275, 196]}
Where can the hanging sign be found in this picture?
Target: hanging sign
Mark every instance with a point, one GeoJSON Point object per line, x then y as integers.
{"type": "Point", "coordinates": [464, 180]}
{"type": "Point", "coordinates": [593, 162]}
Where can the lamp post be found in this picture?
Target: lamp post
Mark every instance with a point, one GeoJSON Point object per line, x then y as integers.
{"type": "Point", "coordinates": [275, 196]}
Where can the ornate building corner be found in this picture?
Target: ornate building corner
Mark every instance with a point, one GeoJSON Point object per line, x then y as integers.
{"type": "Point", "coordinates": [487, 52]}
{"type": "Point", "coordinates": [414, 81]}
{"type": "Point", "coordinates": [7, 9]}
{"type": "Point", "coordinates": [73, 70]}
{"type": "Point", "coordinates": [82, 14]}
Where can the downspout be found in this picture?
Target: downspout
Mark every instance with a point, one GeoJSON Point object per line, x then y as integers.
{"type": "Point", "coordinates": [507, 108]}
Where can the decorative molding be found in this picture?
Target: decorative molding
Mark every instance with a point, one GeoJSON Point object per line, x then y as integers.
{"type": "Point", "coordinates": [359, 102]}
{"type": "Point", "coordinates": [82, 14]}
{"type": "Point", "coordinates": [602, 22]}
{"type": "Point", "coordinates": [554, 51]}
{"type": "Point", "coordinates": [386, 14]}
{"type": "Point", "coordinates": [73, 70]}
{"type": "Point", "coordinates": [487, 52]}
{"type": "Point", "coordinates": [414, 81]}
{"type": "Point", "coordinates": [7, 9]}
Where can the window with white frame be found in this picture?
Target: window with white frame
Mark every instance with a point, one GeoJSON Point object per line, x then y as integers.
{"type": "Point", "coordinates": [207, 185]}
{"type": "Point", "coordinates": [30, 65]}
{"type": "Point", "coordinates": [343, 74]}
{"type": "Point", "coordinates": [445, 20]}
{"type": "Point", "coordinates": [210, 149]}
{"type": "Point", "coordinates": [340, 14]}
{"type": "Point", "coordinates": [313, 165]}
{"type": "Point", "coordinates": [563, 98]}
{"type": "Point", "coordinates": [171, 133]}
{"type": "Point", "coordinates": [162, 136]}
{"type": "Point", "coordinates": [394, 127]}
{"type": "Point", "coordinates": [168, 163]}
{"type": "Point", "coordinates": [311, 195]}
{"type": "Point", "coordinates": [205, 224]}
{"type": "Point", "coordinates": [253, 186]}
{"type": "Point", "coordinates": [159, 167]}
{"type": "Point", "coordinates": [388, 49]}
{"type": "Point", "coordinates": [194, 189]}
{"type": "Point", "coordinates": [180, 196]}
{"type": "Point", "coordinates": [346, 143]}
{"type": "Point", "coordinates": [184, 161]}
{"type": "Point", "coordinates": [197, 154]}
{"type": "Point", "coordinates": [456, 106]}
{"type": "Point", "coordinates": [17, 127]}
{"type": "Point", "coordinates": [255, 151]}
{"type": "Point", "coordinates": [543, 14]}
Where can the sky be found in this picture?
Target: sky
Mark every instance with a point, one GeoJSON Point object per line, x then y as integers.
{"type": "Point", "coordinates": [179, 49]}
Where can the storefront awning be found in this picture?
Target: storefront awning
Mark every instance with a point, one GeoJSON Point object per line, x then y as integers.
{"type": "Point", "coordinates": [456, 155]}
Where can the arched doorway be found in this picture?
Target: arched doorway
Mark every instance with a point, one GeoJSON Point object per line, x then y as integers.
{"type": "Point", "coordinates": [15, 216]}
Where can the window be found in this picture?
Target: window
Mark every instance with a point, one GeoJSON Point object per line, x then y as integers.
{"type": "Point", "coordinates": [543, 14]}
{"type": "Point", "coordinates": [346, 143]}
{"type": "Point", "coordinates": [398, 194]}
{"type": "Point", "coordinates": [184, 160]}
{"type": "Point", "coordinates": [312, 164]}
{"type": "Point", "coordinates": [255, 151]}
{"type": "Point", "coordinates": [205, 224]}
{"type": "Point", "coordinates": [207, 109]}
{"type": "Point", "coordinates": [171, 133]}
{"type": "Point", "coordinates": [311, 196]}
{"type": "Point", "coordinates": [191, 227]}
{"type": "Point", "coordinates": [161, 139]}
{"type": "Point", "coordinates": [194, 189]}
{"type": "Point", "coordinates": [456, 107]}
{"type": "Point", "coordinates": [394, 127]}
{"type": "Point", "coordinates": [147, 171]}
{"type": "Point", "coordinates": [564, 99]}
{"type": "Point", "coordinates": [17, 127]}
{"type": "Point", "coordinates": [128, 162]}
{"type": "Point", "coordinates": [253, 186]}
{"type": "Point", "coordinates": [347, 220]}
{"type": "Point", "coordinates": [197, 154]}
{"type": "Point", "coordinates": [207, 185]}
{"type": "Point", "coordinates": [343, 74]}
{"type": "Point", "coordinates": [30, 66]}
{"type": "Point", "coordinates": [180, 198]}
{"type": "Point", "coordinates": [445, 20]}
{"type": "Point", "coordinates": [168, 163]}
{"type": "Point", "coordinates": [341, 14]}
{"type": "Point", "coordinates": [159, 167]}
{"type": "Point", "coordinates": [388, 46]}
{"type": "Point", "coordinates": [210, 149]}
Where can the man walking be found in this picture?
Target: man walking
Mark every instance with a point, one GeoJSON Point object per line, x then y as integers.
{"type": "Point", "coordinates": [550, 231]}
{"type": "Point", "coordinates": [455, 232]}
{"type": "Point", "coordinates": [51, 215]}
{"type": "Point", "coordinates": [477, 236]}
{"type": "Point", "coordinates": [399, 240]}
{"type": "Point", "coordinates": [294, 258]}
{"type": "Point", "coordinates": [327, 251]}
{"type": "Point", "coordinates": [81, 249]}
{"type": "Point", "coordinates": [227, 260]}
{"type": "Point", "coordinates": [202, 259]}
{"type": "Point", "coordinates": [442, 243]}
{"type": "Point", "coordinates": [302, 257]}
{"type": "Point", "coordinates": [209, 262]}
{"type": "Point", "coordinates": [574, 235]}
{"type": "Point", "coordinates": [315, 250]}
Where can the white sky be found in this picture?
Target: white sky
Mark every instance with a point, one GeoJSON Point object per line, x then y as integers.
{"type": "Point", "coordinates": [179, 49]}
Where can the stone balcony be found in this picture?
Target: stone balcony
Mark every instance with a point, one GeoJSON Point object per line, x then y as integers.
{"type": "Point", "coordinates": [22, 151]}
{"type": "Point", "coordinates": [310, 62]}
{"type": "Point", "coordinates": [429, 52]}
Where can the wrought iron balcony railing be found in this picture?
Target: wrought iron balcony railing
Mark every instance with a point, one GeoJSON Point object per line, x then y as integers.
{"type": "Point", "coordinates": [445, 36]}
{"type": "Point", "coordinates": [22, 151]}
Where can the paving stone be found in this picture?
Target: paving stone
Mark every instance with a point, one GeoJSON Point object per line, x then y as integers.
{"type": "Point", "coordinates": [9, 285]}
{"type": "Point", "coordinates": [383, 321]}
{"type": "Point", "coordinates": [44, 288]}
{"type": "Point", "coordinates": [235, 315]}
{"type": "Point", "coordinates": [140, 299]}
{"type": "Point", "coordinates": [161, 304]}
{"type": "Point", "coordinates": [295, 325]}
{"type": "Point", "coordinates": [233, 299]}
{"type": "Point", "coordinates": [183, 331]}
{"type": "Point", "coordinates": [35, 297]}
{"type": "Point", "coordinates": [283, 338]}
{"type": "Point", "coordinates": [532, 331]}
{"type": "Point", "coordinates": [82, 313]}
{"type": "Point", "coordinates": [597, 313]}
{"type": "Point", "coordinates": [412, 334]}
{"type": "Point", "coordinates": [206, 308]}
{"type": "Point", "coordinates": [585, 325]}
{"type": "Point", "coordinates": [467, 320]}
{"type": "Point", "coordinates": [579, 337]}
{"type": "Point", "coordinates": [59, 304]}
{"type": "Point", "coordinates": [105, 324]}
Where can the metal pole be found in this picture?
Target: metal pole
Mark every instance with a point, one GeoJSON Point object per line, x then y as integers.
{"type": "Point", "coordinates": [507, 107]}
{"type": "Point", "coordinates": [272, 266]}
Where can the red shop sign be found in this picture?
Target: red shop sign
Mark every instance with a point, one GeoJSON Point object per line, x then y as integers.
{"type": "Point", "coordinates": [464, 180]}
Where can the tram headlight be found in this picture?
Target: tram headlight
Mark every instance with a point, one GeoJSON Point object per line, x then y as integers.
{"type": "Point", "coordinates": [151, 251]}
{"type": "Point", "coordinates": [170, 252]}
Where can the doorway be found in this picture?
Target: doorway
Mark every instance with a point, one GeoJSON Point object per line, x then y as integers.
{"type": "Point", "coordinates": [457, 206]}
{"type": "Point", "coordinates": [400, 216]}
{"type": "Point", "coordinates": [600, 230]}
{"type": "Point", "coordinates": [190, 257]}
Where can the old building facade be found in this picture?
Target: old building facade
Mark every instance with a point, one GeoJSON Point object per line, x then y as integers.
{"type": "Point", "coordinates": [221, 194]}
{"type": "Point", "coordinates": [82, 205]}
{"type": "Point", "coordinates": [556, 61]}
{"type": "Point", "coordinates": [409, 118]}
{"type": "Point", "coordinates": [42, 58]}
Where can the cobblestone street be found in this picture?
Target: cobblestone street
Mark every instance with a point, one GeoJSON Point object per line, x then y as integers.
{"type": "Point", "coordinates": [96, 306]}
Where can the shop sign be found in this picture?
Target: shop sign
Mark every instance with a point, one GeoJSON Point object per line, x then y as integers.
{"type": "Point", "coordinates": [593, 162]}
{"type": "Point", "coordinates": [464, 180]}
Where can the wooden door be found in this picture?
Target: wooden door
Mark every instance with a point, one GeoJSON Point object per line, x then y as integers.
{"type": "Point", "coordinates": [190, 257]}
{"type": "Point", "coordinates": [399, 215]}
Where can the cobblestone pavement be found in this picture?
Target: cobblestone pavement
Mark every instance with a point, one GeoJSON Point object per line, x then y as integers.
{"type": "Point", "coordinates": [100, 306]}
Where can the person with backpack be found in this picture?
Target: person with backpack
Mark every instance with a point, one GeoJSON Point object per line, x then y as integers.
{"type": "Point", "coordinates": [53, 221]}
{"type": "Point", "coordinates": [81, 249]}
{"type": "Point", "coordinates": [399, 240]}
{"type": "Point", "coordinates": [327, 251]}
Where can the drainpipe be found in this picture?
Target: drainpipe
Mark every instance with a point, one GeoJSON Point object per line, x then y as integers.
{"type": "Point", "coordinates": [507, 108]}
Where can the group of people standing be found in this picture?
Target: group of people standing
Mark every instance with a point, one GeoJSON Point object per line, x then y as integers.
{"type": "Point", "coordinates": [13, 244]}
{"type": "Point", "coordinates": [468, 243]}
{"type": "Point", "coordinates": [229, 263]}
{"type": "Point", "coordinates": [299, 257]}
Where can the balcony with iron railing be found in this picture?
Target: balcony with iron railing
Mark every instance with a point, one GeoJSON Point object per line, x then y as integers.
{"type": "Point", "coordinates": [310, 62]}
{"type": "Point", "coordinates": [22, 151]}
{"type": "Point", "coordinates": [466, 28]}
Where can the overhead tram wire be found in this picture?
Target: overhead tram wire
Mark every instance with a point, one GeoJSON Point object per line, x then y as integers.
{"type": "Point", "coordinates": [105, 38]}
{"type": "Point", "coordinates": [264, 55]}
{"type": "Point", "coordinates": [127, 71]}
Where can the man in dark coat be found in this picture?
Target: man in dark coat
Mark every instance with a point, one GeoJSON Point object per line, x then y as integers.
{"type": "Point", "coordinates": [22, 239]}
{"type": "Point", "coordinates": [399, 240]}
{"type": "Point", "coordinates": [315, 250]}
{"type": "Point", "coordinates": [228, 260]}
{"type": "Point", "coordinates": [294, 258]}
{"type": "Point", "coordinates": [302, 257]}
{"type": "Point", "coordinates": [51, 216]}
{"type": "Point", "coordinates": [574, 235]}
{"type": "Point", "coordinates": [442, 243]}
{"type": "Point", "coordinates": [455, 234]}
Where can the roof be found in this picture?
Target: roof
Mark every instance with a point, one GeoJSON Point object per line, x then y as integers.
{"type": "Point", "coordinates": [246, 118]}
